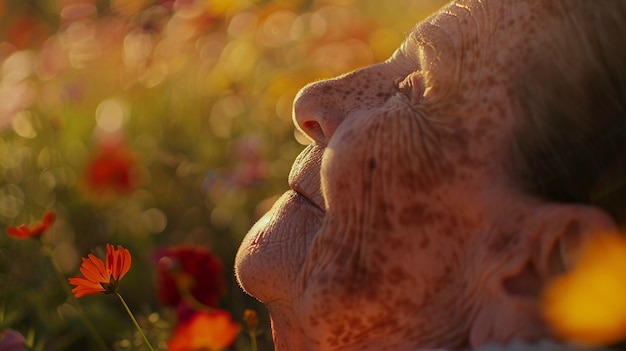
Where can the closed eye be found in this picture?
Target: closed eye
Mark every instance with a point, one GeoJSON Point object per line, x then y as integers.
{"type": "Point", "coordinates": [411, 87]}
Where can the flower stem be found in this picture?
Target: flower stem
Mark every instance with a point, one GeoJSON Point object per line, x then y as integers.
{"type": "Point", "coordinates": [192, 301]}
{"type": "Point", "coordinates": [251, 320]}
{"type": "Point", "coordinates": [253, 341]}
{"type": "Point", "coordinates": [132, 317]}
{"type": "Point", "coordinates": [81, 312]}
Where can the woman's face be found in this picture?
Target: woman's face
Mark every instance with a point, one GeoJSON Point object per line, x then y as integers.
{"type": "Point", "coordinates": [382, 241]}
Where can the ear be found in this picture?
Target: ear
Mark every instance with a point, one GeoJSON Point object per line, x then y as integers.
{"type": "Point", "coordinates": [550, 240]}
{"type": "Point", "coordinates": [557, 233]}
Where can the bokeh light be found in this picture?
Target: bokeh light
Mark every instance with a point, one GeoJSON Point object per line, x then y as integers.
{"type": "Point", "coordinates": [156, 123]}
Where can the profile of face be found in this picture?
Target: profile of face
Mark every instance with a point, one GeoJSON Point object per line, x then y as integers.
{"type": "Point", "coordinates": [403, 228]}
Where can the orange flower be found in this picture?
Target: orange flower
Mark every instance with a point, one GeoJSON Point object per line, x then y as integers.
{"type": "Point", "coordinates": [102, 277]}
{"type": "Point", "coordinates": [204, 331]}
{"type": "Point", "coordinates": [587, 305]}
{"type": "Point", "coordinates": [23, 232]}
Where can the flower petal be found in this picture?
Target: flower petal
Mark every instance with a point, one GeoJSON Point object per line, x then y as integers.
{"type": "Point", "coordinates": [118, 261]}
{"type": "Point", "coordinates": [85, 287]}
{"type": "Point", "coordinates": [21, 232]}
{"type": "Point", "coordinates": [81, 291]}
{"type": "Point", "coordinates": [80, 281]}
{"type": "Point", "coordinates": [124, 262]}
{"type": "Point", "coordinates": [205, 330]}
{"type": "Point", "coordinates": [93, 269]}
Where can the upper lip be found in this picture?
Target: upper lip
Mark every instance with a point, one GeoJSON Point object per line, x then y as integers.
{"type": "Point", "coordinates": [304, 177]}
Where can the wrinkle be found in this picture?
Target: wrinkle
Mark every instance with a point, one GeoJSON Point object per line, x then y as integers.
{"type": "Point", "coordinates": [354, 225]}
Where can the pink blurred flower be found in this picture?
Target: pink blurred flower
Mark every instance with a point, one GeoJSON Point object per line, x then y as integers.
{"type": "Point", "coordinates": [11, 340]}
{"type": "Point", "coordinates": [250, 167]}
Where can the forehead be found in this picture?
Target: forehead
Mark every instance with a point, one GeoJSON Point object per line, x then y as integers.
{"type": "Point", "coordinates": [464, 23]}
{"type": "Point", "coordinates": [477, 44]}
{"type": "Point", "coordinates": [472, 55]}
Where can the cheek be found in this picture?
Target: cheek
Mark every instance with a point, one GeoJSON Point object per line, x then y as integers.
{"type": "Point", "coordinates": [385, 158]}
{"type": "Point", "coordinates": [380, 175]}
{"type": "Point", "coordinates": [379, 257]}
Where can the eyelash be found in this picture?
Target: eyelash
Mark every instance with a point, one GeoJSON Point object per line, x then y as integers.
{"type": "Point", "coordinates": [397, 85]}
{"type": "Point", "coordinates": [411, 87]}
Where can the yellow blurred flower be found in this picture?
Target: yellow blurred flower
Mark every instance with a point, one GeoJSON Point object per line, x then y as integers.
{"type": "Point", "coordinates": [588, 304]}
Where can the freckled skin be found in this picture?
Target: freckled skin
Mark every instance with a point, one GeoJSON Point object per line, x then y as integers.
{"type": "Point", "coordinates": [408, 180]}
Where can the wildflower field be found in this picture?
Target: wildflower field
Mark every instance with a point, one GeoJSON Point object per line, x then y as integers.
{"type": "Point", "coordinates": [139, 140]}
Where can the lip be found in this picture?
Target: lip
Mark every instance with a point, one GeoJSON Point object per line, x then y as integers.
{"type": "Point", "coordinates": [306, 198]}
{"type": "Point", "coordinates": [304, 178]}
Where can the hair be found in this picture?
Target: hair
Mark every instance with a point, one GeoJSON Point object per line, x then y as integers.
{"type": "Point", "coordinates": [570, 143]}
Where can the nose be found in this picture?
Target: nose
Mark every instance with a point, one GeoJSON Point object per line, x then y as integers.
{"type": "Point", "coordinates": [320, 107]}
{"type": "Point", "coordinates": [317, 112]}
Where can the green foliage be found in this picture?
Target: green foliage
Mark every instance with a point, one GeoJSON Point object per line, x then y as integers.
{"type": "Point", "coordinates": [151, 124]}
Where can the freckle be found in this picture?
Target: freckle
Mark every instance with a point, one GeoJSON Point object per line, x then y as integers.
{"type": "Point", "coordinates": [397, 275]}
{"type": "Point", "coordinates": [381, 257]}
{"type": "Point", "coordinates": [427, 296]}
{"type": "Point", "coordinates": [338, 330]}
{"type": "Point", "coordinates": [425, 242]}
{"type": "Point", "coordinates": [371, 295]}
{"type": "Point", "coordinates": [417, 214]}
{"type": "Point", "coordinates": [332, 342]}
{"type": "Point", "coordinates": [381, 222]}
{"type": "Point", "coordinates": [356, 322]}
{"type": "Point", "coordinates": [470, 162]}
{"type": "Point", "coordinates": [394, 244]}
{"type": "Point", "coordinates": [372, 164]}
{"type": "Point", "coordinates": [485, 122]}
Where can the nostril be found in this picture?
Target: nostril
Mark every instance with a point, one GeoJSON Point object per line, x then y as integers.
{"type": "Point", "coordinates": [313, 130]}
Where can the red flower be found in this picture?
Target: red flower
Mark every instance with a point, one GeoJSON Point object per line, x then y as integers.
{"type": "Point", "coordinates": [204, 331]}
{"type": "Point", "coordinates": [102, 277]}
{"type": "Point", "coordinates": [23, 232]}
{"type": "Point", "coordinates": [193, 269]}
{"type": "Point", "coordinates": [112, 169]}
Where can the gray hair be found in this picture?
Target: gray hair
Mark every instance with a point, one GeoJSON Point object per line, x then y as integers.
{"type": "Point", "coordinates": [570, 144]}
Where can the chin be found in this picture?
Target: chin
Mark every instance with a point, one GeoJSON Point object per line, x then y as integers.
{"type": "Point", "coordinates": [275, 248]}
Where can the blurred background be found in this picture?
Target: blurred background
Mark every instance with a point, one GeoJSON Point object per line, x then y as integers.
{"type": "Point", "coordinates": [155, 124]}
